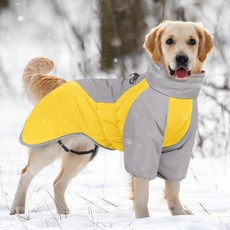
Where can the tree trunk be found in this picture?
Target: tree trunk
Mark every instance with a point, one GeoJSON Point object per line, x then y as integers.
{"type": "Point", "coordinates": [4, 4]}
{"type": "Point", "coordinates": [122, 29]}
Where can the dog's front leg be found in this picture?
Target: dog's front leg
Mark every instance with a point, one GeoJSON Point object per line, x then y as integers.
{"type": "Point", "coordinates": [141, 197]}
{"type": "Point", "coordinates": [171, 194]}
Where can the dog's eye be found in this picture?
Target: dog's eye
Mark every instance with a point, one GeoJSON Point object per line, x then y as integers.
{"type": "Point", "coordinates": [192, 42]}
{"type": "Point", "coordinates": [169, 41]}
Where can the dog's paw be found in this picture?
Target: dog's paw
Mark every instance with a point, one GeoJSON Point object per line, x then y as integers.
{"type": "Point", "coordinates": [188, 212]}
{"type": "Point", "coordinates": [64, 211]}
{"type": "Point", "coordinates": [180, 211]}
{"type": "Point", "coordinates": [17, 210]}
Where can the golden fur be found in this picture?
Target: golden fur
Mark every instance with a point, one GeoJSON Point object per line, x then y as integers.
{"type": "Point", "coordinates": [38, 84]}
{"type": "Point", "coordinates": [181, 32]}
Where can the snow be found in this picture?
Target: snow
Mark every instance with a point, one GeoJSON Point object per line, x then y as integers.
{"type": "Point", "coordinates": [98, 196]}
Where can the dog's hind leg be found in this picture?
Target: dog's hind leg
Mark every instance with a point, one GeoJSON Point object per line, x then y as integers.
{"type": "Point", "coordinates": [171, 194]}
{"type": "Point", "coordinates": [39, 158]}
{"type": "Point", "coordinates": [72, 164]}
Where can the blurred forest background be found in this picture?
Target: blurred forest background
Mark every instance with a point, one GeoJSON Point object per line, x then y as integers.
{"type": "Point", "coordinates": [103, 39]}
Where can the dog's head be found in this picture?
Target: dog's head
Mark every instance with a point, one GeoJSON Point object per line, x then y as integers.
{"type": "Point", "coordinates": [181, 47]}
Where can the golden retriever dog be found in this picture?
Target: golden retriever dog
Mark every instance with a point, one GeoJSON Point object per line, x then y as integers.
{"type": "Point", "coordinates": [179, 49]}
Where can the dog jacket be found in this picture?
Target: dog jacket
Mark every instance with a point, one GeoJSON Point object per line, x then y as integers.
{"type": "Point", "coordinates": [151, 117]}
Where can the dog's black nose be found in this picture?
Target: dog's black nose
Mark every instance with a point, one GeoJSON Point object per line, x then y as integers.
{"type": "Point", "coordinates": [182, 60]}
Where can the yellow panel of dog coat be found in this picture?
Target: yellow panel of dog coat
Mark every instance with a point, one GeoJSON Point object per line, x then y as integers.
{"type": "Point", "coordinates": [178, 121]}
{"type": "Point", "coordinates": [70, 110]}
{"type": "Point", "coordinates": [112, 116]}
{"type": "Point", "coordinates": [57, 114]}
{"type": "Point", "coordinates": [127, 99]}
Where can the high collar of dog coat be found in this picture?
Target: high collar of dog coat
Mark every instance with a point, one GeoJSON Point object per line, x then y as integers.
{"type": "Point", "coordinates": [160, 81]}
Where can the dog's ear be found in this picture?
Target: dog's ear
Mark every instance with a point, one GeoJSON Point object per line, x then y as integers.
{"type": "Point", "coordinates": [206, 43]}
{"type": "Point", "coordinates": [152, 43]}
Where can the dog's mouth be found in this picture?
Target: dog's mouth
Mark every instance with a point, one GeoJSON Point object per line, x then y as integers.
{"type": "Point", "coordinates": [180, 72]}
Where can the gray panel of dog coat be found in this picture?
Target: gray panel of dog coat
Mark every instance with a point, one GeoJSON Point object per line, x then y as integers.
{"type": "Point", "coordinates": [145, 126]}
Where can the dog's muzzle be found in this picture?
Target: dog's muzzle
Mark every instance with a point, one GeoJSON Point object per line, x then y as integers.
{"type": "Point", "coordinates": [181, 71]}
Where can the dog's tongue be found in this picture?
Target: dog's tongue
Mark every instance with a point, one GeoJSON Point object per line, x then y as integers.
{"type": "Point", "coordinates": [181, 72]}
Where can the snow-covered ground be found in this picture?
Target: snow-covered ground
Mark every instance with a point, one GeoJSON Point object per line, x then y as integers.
{"type": "Point", "coordinates": [98, 197]}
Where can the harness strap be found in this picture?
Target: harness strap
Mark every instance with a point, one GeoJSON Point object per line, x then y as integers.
{"type": "Point", "coordinates": [93, 151]}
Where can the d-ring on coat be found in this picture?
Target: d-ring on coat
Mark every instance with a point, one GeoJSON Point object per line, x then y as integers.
{"type": "Point", "coordinates": [151, 118]}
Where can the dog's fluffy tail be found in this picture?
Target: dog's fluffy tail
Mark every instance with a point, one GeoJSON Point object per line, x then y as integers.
{"type": "Point", "coordinates": [36, 82]}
